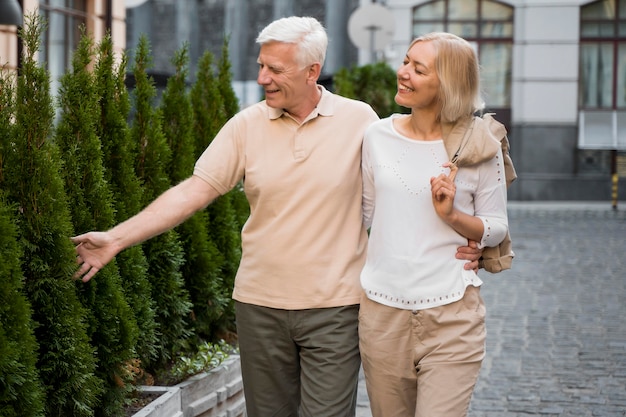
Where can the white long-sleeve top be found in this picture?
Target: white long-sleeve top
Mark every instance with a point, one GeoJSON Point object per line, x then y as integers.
{"type": "Point", "coordinates": [411, 260]}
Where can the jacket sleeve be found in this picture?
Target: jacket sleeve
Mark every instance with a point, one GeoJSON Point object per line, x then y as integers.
{"type": "Point", "coordinates": [490, 200]}
{"type": "Point", "coordinates": [496, 258]}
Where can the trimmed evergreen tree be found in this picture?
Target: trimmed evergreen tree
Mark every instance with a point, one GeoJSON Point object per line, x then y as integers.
{"type": "Point", "coordinates": [207, 103]}
{"type": "Point", "coordinates": [21, 392]}
{"type": "Point", "coordinates": [225, 83]}
{"type": "Point", "coordinates": [112, 325]}
{"type": "Point", "coordinates": [375, 84]}
{"type": "Point", "coordinates": [178, 118]}
{"type": "Point", "coordinates": [119, 155]}
{"type": "Point", "coordinates": [164, 252]}
{"type": "Point", "coordinates": [238, 198]}
{"type": "Point", "coordinates": [209, 117]}
{"type": "Point", "coordinates": [201, 271]}
{"type": "Point", "coordinates": [33, 182]}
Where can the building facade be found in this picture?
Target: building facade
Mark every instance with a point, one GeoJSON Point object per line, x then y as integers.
{"type": "Point", "coordinates": [554, 71]}
{"type": "Point", "coordinates": [63, 21]}
{"type": "Point", "coordinates": [204, 24]}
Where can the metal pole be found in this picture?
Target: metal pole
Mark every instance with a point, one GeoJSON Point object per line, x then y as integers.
{"type": "Point", "coordinates": [615, 178]}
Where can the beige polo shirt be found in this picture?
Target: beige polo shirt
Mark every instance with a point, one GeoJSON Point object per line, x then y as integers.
{"type": "Point", "coordinates": [304, 243]}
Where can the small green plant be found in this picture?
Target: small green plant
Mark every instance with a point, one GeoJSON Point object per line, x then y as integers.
{"type": "Point", "coordinates": [207, 357]}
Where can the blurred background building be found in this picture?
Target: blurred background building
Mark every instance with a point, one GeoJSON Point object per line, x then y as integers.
{"type": "Point", "coordinates": [554, 71]}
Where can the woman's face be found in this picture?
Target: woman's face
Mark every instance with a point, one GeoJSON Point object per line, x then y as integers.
{"type": "Point", "coordinates": [418, 82]}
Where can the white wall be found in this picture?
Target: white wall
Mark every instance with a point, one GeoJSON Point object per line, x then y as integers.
{"type": "Point", "coordinates": [545, 63]}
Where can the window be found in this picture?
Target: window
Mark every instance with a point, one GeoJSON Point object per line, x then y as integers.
{"type": "Point", "coordinates": [603, 55]}
{"type": "Point", "coordinates": [602, 80]}
{"type": "Point", "coordinates": [486, 24]}
{"type": "Point", "coordinates": [64, 19]}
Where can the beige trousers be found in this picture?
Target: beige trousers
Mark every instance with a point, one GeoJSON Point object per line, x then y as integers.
{"type": "Point", "coordinates": [422, 363]}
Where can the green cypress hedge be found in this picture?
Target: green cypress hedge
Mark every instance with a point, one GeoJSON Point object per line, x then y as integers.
{"type": "Point", "coordinates": [112, 326]}
{"type": "Point", "coordinates": [21, 391]}
{"type": "Point", "coordinates": [81, 163]}
{"type": "Point", "coordinates": [164, 252]}
{"type": "Point", "coordinates": [202, 271]}
{"type": "Point", "coordinates": [119, 155]}
{"type": "Point", "coordinates": [34, 186]}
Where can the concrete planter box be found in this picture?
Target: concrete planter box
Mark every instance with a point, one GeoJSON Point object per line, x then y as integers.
{"type": "Point", "coordinates": [216, 393]}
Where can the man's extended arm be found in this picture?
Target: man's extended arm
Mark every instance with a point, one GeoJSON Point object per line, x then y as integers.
{"type": "Point", "coordinates": [96, 249]}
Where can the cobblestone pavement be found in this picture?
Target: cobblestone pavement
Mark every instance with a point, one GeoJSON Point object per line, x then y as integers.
{"type": "Point", "coordinates": [556, 322]}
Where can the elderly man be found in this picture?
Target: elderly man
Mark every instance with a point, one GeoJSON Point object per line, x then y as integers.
{"type": "Point", "coordinates": [297, 289]}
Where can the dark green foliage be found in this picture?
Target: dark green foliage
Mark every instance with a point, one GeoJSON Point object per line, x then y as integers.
{"type": "Point", "coordinates": [112, 325]}
{"type": "Point", "coordinates": [208, 104]}
{"type": "Point", "coordinates": [238, 198]}
{"type": "Point", "coordinates": [225, 86]}
{"type": "Point", "coordinates": [202, 268]}
{"type": "Point", "coordinates": [225, 224]}
{"type": "Point", "coordinates": [21, 393]}
{"type": "Point", "coordinates": [224, 232]}
{"type": "Point", "coordinates": [164, 252]}
{"type": "Point", "coordinates": [178, 118]}
{"type": "Point", "coordinates": [375, 84]}
{"type": "Point", "coordinates": [69, 348]}
{"type": "Point", "coordinates": [34, 186]}
{"type": "Point", "coordinates": [119, 155]}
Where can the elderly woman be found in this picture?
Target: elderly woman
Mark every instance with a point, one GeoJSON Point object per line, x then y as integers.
{"type": "Point", "coordinates": [433, 179]}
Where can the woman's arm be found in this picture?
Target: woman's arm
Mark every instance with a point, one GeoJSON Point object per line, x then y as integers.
{"type": "Point", "coordinates": [489, 224]}
{"type": "Point", "coordinates": [369, 193]}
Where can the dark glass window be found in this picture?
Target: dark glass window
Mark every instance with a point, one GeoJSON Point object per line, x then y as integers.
{"type": "Point", "coordinates": [64, 19]}
{"type": "Point", "coordinates": [603, 55]}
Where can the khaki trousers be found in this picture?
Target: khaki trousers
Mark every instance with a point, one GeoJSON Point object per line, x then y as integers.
{"type": "Point", "coordinates": [422, 363]}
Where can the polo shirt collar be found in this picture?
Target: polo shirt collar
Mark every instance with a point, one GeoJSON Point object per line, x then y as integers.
{"type": "Point", "coordinates": [323, 108]}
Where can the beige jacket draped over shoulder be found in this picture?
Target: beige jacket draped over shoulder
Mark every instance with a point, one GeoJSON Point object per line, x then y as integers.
{"type": "Point", "coordinates": [471, 141]}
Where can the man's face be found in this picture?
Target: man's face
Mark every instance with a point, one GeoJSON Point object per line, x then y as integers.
{"type": "Point", "coordinates": [282, 78]}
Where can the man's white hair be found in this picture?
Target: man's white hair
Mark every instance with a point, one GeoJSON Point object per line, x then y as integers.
{"type": "Point", "coordinates": [305, 32]}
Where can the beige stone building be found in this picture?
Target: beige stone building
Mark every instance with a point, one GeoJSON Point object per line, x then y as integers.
{"type": "Point", "coordinates": [63, 19]}
{"type": "Point", "coordinates": [553, 70]}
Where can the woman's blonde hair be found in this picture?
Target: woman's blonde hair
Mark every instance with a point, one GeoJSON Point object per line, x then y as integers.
{"type": "Point", "coordinates": [458, 70]}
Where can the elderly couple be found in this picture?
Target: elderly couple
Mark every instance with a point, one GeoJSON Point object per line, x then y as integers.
{"type": "Point", "coordinates": [314, 295]}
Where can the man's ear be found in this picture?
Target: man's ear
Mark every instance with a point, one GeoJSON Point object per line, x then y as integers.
{"type": "Point", "coordinates": [314, 72]}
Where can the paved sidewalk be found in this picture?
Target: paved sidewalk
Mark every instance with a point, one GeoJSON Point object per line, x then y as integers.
{"type": "Point", "coordinates": [556, 322]}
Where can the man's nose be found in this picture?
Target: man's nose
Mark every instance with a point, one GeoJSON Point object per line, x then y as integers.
{"type": "Point", "coordinates": [263, 78]}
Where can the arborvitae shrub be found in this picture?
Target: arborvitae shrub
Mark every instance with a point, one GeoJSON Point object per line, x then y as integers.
{"type": "Point", "coordinates": [225, 83]}
{"type": "Point", "coordinates": [74, 355]}
{"type": "Point", "coordinates": [164, 252]}
{"type": "Point", "coordinates": [34, 186]}
{"type": "Point", "coordinates": [202, 268]}
{"type": "Point", "coordinates": [375, 84]}
{"type": "Point", "coordinates": [21, 392]}
{"type": "Point", "coordinates": [119, 155]}
{"type": "Point", "coordinates": [224, 226]}
{"type": "Point", "coordinates": [238, 198]}
{"type": "Point", "coordinates": [207, 104]}
{"type": "Point", "coordinates": [112, 325]}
